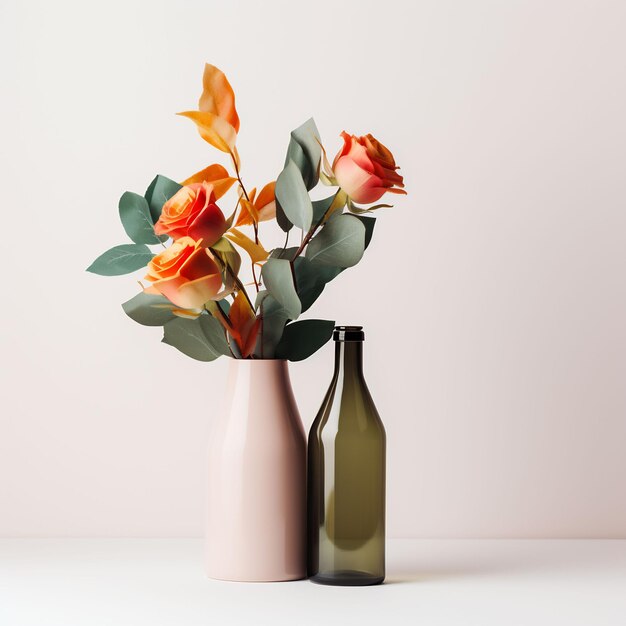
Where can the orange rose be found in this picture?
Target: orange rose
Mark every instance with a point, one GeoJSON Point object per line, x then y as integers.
{"type": "Point", "coordinates": [185, 274]}
{"type": "Point", "coordinates": [192, 212]}
{"type": "Point", "coordinates": [365, 169]}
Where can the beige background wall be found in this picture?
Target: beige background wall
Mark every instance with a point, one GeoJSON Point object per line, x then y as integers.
{"type": "Point", "coordinates": [494, 296]}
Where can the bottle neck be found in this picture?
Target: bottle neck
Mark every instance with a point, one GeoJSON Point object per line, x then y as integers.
{"type": "Point", "coordinates": [349, 360]}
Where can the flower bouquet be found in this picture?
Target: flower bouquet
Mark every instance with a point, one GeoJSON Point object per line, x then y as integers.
{"type": "Point", "coordinates": [193, 249]}
{"type": "Point", "coordinates": [197, 286]}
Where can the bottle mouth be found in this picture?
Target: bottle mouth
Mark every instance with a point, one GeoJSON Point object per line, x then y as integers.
{"type": "Point", "coordinates": [348, 333]}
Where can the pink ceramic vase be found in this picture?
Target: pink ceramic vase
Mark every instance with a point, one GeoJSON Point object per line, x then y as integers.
{"type": "Point", "coordinates": [256, 513]}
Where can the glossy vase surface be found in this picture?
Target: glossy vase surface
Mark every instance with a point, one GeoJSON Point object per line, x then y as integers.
{"type": "Point", "coordinates": [256, 506]}
{"type": "Point", "coordinates": [346, 475]}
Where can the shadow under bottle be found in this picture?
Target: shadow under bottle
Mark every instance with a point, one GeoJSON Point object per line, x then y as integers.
{"type": "Point", "coordinates": [346, 475]}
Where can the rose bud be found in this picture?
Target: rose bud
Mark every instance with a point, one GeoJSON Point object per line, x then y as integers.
{"type": "Point", "coordinates": [365, 169]}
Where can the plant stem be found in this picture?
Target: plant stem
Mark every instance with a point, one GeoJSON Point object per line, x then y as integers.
{"type": "Point", "coordinates": [224, 321]}
{"type": "Point", "coordinates": [237, 174]}
{"type": "Point", "coordinates": [235, 278]}
{"type": "Point", "coordinates": [256, 282]}
{"type": "Point", "coordinates": [312, 231]}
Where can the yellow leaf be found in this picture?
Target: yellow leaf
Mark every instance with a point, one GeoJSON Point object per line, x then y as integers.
{"type": "Point", "coordinates": [256, 251]}
{"type": "Point", "coordinates": [213, 129]}
{"type": "Point", "coordinates": [191, 314]}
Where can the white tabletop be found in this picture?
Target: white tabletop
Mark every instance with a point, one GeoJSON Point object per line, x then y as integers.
{"type": "Point", "coordinates": [160, 582]}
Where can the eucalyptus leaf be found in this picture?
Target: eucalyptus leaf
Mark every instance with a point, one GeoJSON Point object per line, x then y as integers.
{"type": "Point", "coordinates": [293, 197]}
{"type": "Point", "coordinates": [149, 310]}
{"type": "Point", "coordinates": [320, 207]}
{"type": "Point", "coordinates": [202, 339]}
{"type": "Point", "coordinates": [160, 190]}
{"type": "Point", "coordinates": [122, 259]}
{"type": "Point", "coordinates": [310, 283]}
{"type": "Point", "coordinates": [296, 154]}
{"type": "Point", "coordinates": [214, 332]}
{"type": "Point", "coordinates": [136, 219]}
{"type": "Point", "coordinates": [274, 317]}
{"type": "Point", "coordinates": [327, 272]}
{"type": "Point", "coordinates": [306, 152]}
{"type": "Point", "coordinates": [369, 223]}
{"type": "Point", "coordinates": [311, 278]}
{"type": "Point", "coordinates": [301, 339]}
{"type": "Point", "coordinates": [340, 243]}
{"type": "Point", "coordinates": [224, 305]}
{"type": "Point", "coordinates": [281, 219]}
{"type": "Point", "coordinates": [284, 253]}
{"type": "Point", "coordinates": [260, 297]}
{"type": "Point", "coordinates": [278, 280]}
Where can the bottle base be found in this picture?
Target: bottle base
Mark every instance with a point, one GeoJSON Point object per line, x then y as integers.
{"type": "Point", "coordinates": [347, 578]}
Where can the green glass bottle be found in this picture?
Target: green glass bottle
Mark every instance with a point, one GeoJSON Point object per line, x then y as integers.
{"type": "Point", "coordinates": [346, 475]}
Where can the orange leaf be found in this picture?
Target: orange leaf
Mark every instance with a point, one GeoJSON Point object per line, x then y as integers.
{"type": "Point", "coordinates": [244, 324]}
{"type": "Point", "coordinates": [266, 196]}
{"type": "Point", "coordinates": [218, 96]}
{"type": "Point", "coordinates": [248, 215]}
{"type": "Point", "coordinates": [264, 207]}
{"type": "Point", "coordinates": [266, 202]}
{"type": "Point", "coordinates": [249, 344]}
{"type": "Point", "coordinates": [214, 129]}
{"type": "Point", "coordinates": [215, 174]}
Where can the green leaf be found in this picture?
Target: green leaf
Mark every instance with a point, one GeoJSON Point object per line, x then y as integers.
{"type": "Point", "coordinates": [214, 331]}
{"type": "Point", "coordinates": [224, 305]}
{"type": "Point", "coordinates": [136, 218]}
{"type": "Point", "coordinates": [306, 152]}
{"type": "Point", "coordinates": [301, 339]}
{"type": "Point", "coordinates": [122, 259]}
{"type": "Point", "coordinates": [369, 223]}
{"type": "Point", "coordinates": [311, 278]}
{"type": "Point", "coordinates": [309, 283]}
{"type": "Point", "coordinates": [161, 189]}
{"type": "Point", "coordinates": [320, 207]}
{"type": "Point", "coordinates": [202, 339]}
{"type": "Point", "coordinates": [278, 280]}
{"type": "Point", "coordinates": [149, 310]}
{"type": "Point", "coordinates": [227, 253]}
{"type": "Point", "coordinates": [274, 319]}
{"type": "Point", "coordinates": [284, 253]}
{"type": "Point", "coordinates": [293, 198]}
{"type": "Point", "coordinates": [340, 243]}
{"type": "Point", "coordinates": [281, 219]}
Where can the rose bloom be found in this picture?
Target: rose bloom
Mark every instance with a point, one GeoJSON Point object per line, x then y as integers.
{"type": "Point", "coordinates": [192, 212]}
{"type": "Point", "coordinates": [185, 274]}
{"type": "Point", "coordinates": [365, 169]}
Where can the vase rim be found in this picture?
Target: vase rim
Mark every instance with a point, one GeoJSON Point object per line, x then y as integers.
{"type": "Point", "coordinates": [259, 360]}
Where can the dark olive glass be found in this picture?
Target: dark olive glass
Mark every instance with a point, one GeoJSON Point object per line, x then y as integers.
{"type": "Point", "coordinates": [346, 475]}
